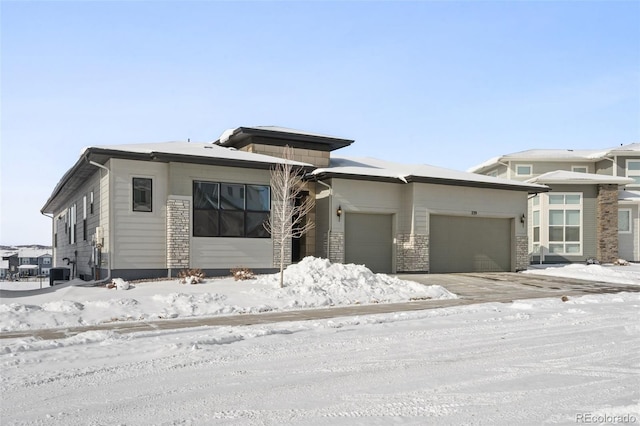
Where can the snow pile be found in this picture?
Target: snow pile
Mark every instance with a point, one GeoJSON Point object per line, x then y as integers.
{"type": "Point", "coordinates": [318, 282]}
{"type": "Point", "coordinates": [311, 283]}
{"type": "Point", "coordinates": [629, 274]}
{"type": "Point", "coordinates": [119, 284]}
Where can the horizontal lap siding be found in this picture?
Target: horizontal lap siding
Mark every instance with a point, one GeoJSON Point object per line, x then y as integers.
{"type": "Point", "coordinates": [223, 253]}
{"type": "Point", "coordinates": [463, 201]}
{"type": "Point", "coordinates": [139, 238]}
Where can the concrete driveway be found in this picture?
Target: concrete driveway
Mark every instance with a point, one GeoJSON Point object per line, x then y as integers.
{"type": "Point", "coordinates": [471, 288]}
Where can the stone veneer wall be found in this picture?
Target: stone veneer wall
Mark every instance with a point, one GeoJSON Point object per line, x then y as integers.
{"type": "Point", "coordinates": [607, 223]}
{"type": "Point", "coordinates": [276, 252]}
{"type": "Point", "coordinates": [178, 235]}
{"type": "Point", "coordinates": [335, 253]}
{"type": "Point", "coordinates": [412, 253]}
{"type": "Point", "coordinates": [522, 252]}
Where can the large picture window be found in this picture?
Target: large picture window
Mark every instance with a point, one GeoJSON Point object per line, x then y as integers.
{"type": "Point", "coordinates": [230, 209]}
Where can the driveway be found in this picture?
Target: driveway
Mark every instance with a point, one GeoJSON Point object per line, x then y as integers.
{"type": "Point", "coordinates": [471, 288]}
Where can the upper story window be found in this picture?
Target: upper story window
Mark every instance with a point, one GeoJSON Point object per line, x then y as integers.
{"type": "Point", "coordinates": [142, 195]}
{"type": "Point", "coordinates": [580, 169]}
{"type": "Point", "coordinates": [46, 261]}
{"type": "Point", "coordinates": [230, 209]}
{"type": "Point", "coordinates": [633, 171]}
{"type": "Point", "coordinates": [493, 173]}
{"type": "Point", "coordinates": [524, 170]}
{"type": "Point", "coordinates": [624, 221]}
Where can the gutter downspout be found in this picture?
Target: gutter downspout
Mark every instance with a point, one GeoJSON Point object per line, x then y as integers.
{"type": "Point", "coordinates": [329, 217]}
{"type": "Point", "coordinates": [53, 246]}
{"type": "Point", "coordinates": [99, 254]}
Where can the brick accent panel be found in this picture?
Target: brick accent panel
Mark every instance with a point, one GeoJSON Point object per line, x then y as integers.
{"type": "Point", "coordinates": [412, 253]}
{"type": "Point", "coordinates": [522, 252]}
{"type": "Point", "coordinates": [178, 233]}
{"type": "Point", "coordinates": [607, 223]}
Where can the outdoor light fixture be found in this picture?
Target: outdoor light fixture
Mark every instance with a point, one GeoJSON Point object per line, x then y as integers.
{"type": "Point", "coordinates": [339, 212]}
{"type": "Point", "coordinates": [522, 218]}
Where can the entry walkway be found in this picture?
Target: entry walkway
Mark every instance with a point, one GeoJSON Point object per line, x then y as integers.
{"type": "Point", "coordinates": [470, 288]}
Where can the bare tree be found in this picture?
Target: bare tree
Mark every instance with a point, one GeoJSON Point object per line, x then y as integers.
{"type": "Point", "coordinates": [288, 218]}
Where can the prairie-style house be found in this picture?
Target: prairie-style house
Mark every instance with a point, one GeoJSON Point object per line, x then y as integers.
{"type": "Point", "coordinates": [593, 208]}
{"type": "Point", "coordinates": [151, 210]}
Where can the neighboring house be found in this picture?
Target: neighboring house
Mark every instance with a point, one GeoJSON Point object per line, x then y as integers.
{"type": "Point", "coordinates": [593, 209]}
{"type": "Point", "coordinates": [32, 262]}
{"type": "Point", "coordinates": [4, 268]}
{"type": "Point", "coordinates": [151, 210]}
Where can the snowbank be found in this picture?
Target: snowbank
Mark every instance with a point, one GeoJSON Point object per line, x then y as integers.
{"type": "Point", "coordinates": [308, 284]}
{"type": "Point", "coordinates": [629, 274]}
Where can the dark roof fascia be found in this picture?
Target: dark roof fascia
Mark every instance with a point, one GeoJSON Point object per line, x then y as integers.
{"type": "Point", "coordinates": [101, 155]}
{"type": "Point", "coordinates": [82, 161]}
{"type": "Point", "coordinates": [330, 175]}
{"type": "Point", "coordinates": [241, 137]}
{"type": "Point", "coordinates": [475, 184]}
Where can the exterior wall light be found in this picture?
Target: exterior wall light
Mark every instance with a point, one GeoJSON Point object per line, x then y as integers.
{"type": "Point", "coordinates": [522, 218]}
{"type": "Point", "coordinates": [339, 212]}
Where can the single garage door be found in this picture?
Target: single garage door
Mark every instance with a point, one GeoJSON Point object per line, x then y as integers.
{"type": "Point", "coordinates": [469, 244]}
{"type": "Point", "coordinates": [368, 241]}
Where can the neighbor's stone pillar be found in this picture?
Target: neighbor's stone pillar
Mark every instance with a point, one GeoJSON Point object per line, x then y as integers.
{"type": "Point", "coordinates": [277, 243]}
{"type": "Point", "coordinates": [178, 232]}
{"type": "Point", "coordinates": [607, 223]}
{"type": "Point", "coordinates": [412, 253]}
{"type": "Point", "coordinates": [522, 252]}
{"type": "Point", "coordinates": [276, 251]}
{"type": "Point", "coordinates": [335, 253]}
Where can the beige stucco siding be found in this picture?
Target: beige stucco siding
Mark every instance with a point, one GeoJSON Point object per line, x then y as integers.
{"type": "Point", "coordinates": [139, 239]}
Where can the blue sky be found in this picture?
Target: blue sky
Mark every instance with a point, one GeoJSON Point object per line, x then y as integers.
{"type": "Point", "coordinates": [444, 83]}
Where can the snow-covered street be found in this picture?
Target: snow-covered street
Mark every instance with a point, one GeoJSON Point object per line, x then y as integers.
{"type": "Point", "coordinates": [529, 362]}
{"type": "Point", "coordinates": [535, 361]}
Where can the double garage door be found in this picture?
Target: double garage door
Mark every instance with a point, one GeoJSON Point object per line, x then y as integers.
{"type": "Point", "coordinates": [469, 244]}
{"type": "Point", "coordinates": [456, 243]}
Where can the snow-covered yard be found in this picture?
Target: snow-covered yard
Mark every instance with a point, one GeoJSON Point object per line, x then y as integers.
{"type": "Point", "coordinates": [539, 361]}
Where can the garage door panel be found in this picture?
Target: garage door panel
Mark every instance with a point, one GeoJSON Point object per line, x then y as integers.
{"type": "Point", "coordinates": [368, 241]}
{"type": "Point", "coordinates": [469, 244]}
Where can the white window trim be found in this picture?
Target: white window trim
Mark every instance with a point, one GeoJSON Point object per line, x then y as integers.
{"type": "Point", "coordinates": [635, 173]}
{"type": "Point", "coordinates": [630, 231]}
{"type": "Point", "coordinates": [543, 207]}
{"type": "Point", "coordinates": [573, 169]}
{"type": "Point", "coordinates": [524, 165]}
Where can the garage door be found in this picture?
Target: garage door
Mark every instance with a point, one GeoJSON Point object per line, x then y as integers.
{"type": "Point", "coordinates": [368, 241]}
{"type": "Point", "coordinates": [469, 244]}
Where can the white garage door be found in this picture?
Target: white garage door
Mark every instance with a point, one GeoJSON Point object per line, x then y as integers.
{"type": "Point", "coordinates": [469, 244]}
{"type": "Point", "coordinates": [368, 241]}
